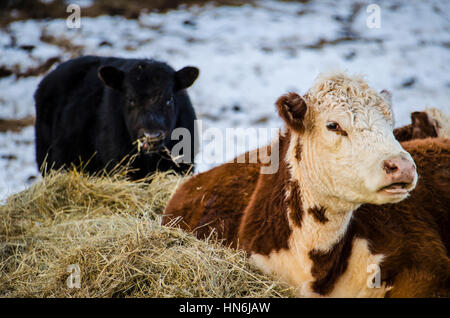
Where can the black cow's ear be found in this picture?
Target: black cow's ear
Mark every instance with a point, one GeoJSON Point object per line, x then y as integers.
{"type": "Point", "coordinates": [185, 77]}
{"type": "Point", "coordinates": [111, 76]}
{"type": "Point", "coordinates": [292, 109]}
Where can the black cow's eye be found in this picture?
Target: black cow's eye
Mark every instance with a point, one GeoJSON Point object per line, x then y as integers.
{"type": "Point", "coordinates": [169, 101]}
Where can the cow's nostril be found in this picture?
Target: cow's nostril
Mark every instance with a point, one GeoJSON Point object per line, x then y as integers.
{"type": "Point", "coordinates": [155, 136]}
{"type": "Point", "coordinates": [390, 166]}
{"type": "Point", "coordinates": [158, 134]}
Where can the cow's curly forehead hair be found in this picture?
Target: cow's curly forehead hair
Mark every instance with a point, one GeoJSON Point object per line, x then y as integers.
{"type": "Point", "coordinates": [348, 93]}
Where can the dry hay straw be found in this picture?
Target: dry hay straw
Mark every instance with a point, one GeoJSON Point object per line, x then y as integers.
{"type": "Point", "coordinates": [110, 227]}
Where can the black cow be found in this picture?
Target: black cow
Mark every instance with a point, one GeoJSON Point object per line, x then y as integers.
{"type": "Point", "coordinates": [95, 111]}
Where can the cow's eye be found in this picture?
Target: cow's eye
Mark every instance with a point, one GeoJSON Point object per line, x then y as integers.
{"type": "Point", "coordinates": [334, 126]}
{"type": "Point", "coordinates": [169, 101]}
{"type": "Point", "coordinates": [131, 102]}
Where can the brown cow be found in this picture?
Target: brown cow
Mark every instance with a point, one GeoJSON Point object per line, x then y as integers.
{"type": "Point", "coordinates": [317, 223]}
{"type": "Point", "coordinates": [431, 122]}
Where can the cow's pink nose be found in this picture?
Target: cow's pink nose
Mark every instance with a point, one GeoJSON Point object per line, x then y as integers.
{"type": "Point", "coordinates": [400, 170]}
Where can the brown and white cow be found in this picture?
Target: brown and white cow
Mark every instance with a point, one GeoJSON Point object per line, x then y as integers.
{"type": "Point", "coordinates": [325, 221]}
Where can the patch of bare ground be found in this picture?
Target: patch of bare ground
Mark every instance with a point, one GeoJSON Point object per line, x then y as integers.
{"type": "Point", "coordinates": [15, 10]}
{"type": "Point", "coordinates": [63, 42]}
{"type": "Point", "coordinates": [325, 42]}
{"type": "Point", "coordinates": [15, 125]}
{"type": "Point", "coordinates": [32, 71]}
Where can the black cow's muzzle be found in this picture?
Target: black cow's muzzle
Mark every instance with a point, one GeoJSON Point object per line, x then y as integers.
{"type": "Point", "coordinates": [150, 142]}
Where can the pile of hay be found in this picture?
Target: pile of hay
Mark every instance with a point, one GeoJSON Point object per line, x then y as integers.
{"type": "Point", "coordinates": [109, 228]}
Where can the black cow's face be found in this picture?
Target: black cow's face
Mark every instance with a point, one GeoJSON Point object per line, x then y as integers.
{"type": "Point", "coordinates": [148, 97]}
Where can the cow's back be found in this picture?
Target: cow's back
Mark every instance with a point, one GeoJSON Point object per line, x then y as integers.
{"type": "Point", "coordinates": [66, 101]}
{"type": "Point", "coordinates": [214, 199]}
{"type": "Point", "coordinates": [65, 82]}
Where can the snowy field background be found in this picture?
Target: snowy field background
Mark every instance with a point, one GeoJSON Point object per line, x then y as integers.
{"type": "Point", "coordinates": [248, 56]}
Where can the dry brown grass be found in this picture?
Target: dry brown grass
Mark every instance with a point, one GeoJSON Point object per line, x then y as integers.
{"type": "Point", "coordinates": [35, 9]}
{"type": "Point", "coordinates": [16, 125]}
{"type": "Point", "coordinates": [110, 228]}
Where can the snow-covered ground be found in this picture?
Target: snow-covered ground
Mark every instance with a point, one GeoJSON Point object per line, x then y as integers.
{"type": "Point", "coordinates": [248, 57]}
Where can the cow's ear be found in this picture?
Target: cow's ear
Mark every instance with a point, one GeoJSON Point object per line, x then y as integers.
{"type": "Point", "coordinates": [111, 76]}
{"type": "Point", "coordinates": [292, 109]}
{"type": "Point", "coordinates": [185, 77]}
{"type": "Point", "coordinates": [419, 119]}
{"type": "Point", "coordinates": [422, 127]}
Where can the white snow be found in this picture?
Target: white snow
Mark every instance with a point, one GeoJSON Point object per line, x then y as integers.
{"type": "Point", "coordinates": [248, 56]}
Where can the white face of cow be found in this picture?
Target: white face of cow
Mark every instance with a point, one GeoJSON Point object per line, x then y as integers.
{"type": "Point", "coordinates": [348, 150]}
